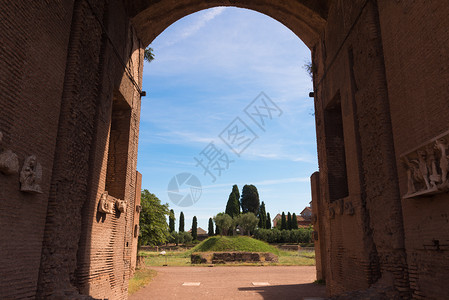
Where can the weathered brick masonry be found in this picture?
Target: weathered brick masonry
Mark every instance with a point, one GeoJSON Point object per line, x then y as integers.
{"type": "Point", "coordinates": [70, 80]}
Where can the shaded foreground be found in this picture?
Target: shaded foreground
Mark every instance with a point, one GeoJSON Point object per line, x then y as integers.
{"type": "Point", "coordinates": [284, 282]}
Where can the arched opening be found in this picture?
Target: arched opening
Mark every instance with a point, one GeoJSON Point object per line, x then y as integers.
{"type": "Point", "coordinates": [205, 77]}
{"type": "Point", "coordinates": [382, 232]}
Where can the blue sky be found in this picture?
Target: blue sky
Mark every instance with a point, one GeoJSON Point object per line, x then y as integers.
{"type": "Point", "coordinates": [209, 67]}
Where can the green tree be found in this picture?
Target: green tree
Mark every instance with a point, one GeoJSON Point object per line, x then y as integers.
{"type": "Point", "coordinates": [171, 220]}
{"type": "Point", "coordinates": [194, 228]}
{"type": "Point", "coordinates": [250, 199]}
{"type": "Point", "coordinates": [289, 221]}
{"type": "Point", "coordinates": [148, 54]}
{"type": "Point", "coordinates": [224, 222]}
{"type": "Point", "coordinates": [247, 222]}
{"type": "Point", "coordinates": [294, 221]}
{"type": "Point", "coordinates": [185, 237]}
{"type": "Point", "coordinates": [181, 222]}
{"type": "Point", "coordinates": [283, 221]}
{"type": "Point", "coordinates": [210, 231]}
{"type": "Point", "coordinates": [268, 224]}
{"type": "Point", "coordinates": [233, 205]}
{"type": "Point", "coordinates": [235, 190]}
{"type": "Point", "coordinates": [154, 229]}
{"type": "Point", "coordinates": [262, 216]}
{"type": "Point", "coordinates": [217, 230]}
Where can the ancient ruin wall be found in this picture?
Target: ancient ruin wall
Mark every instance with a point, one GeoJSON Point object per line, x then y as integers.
{"type": "Point", "coordinates": [34, 42]}
{"type": "Point", "coordinates": [380, 96]}
{"type": "Point", "coordinates": [415, 44]}
{"type": "Point", "coordinates": [364, 234]}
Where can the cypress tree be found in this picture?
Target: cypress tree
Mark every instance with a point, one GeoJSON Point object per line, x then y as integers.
{"type": "Point", "coordinates": [236, 192]}
{"type": "Point", "coordinates": [289, 221]}
{"type": "Point", "coordinates": [233, 206]}
{"type": "Point", "coordinates": [294, 221]}
{"type": "Point", "coordinates": [217, 231]}
{"type": "Point", "coordinates": [262, 216]}
{"type": "Point", "coordinates": [210, 231]}
{"type": "Point", "coordinates": [283, 221]}
{"type": "Point", "coordinates": [171, 220]}
{"type": "Point", "coordinates": [194, 228]}
{"type": "Point", "coordinates": [181, 222]}
{"type": "Point", "coordinates": [250, 199]}
{"type": "Point", "coordinates": [268, 224]}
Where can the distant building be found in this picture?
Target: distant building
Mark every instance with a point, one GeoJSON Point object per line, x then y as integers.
{"type": "Point", "coordinates": [201, 233]}
{"type": "Point", "coordinates": [307, 213]}
{"type": "Point", "coordinates": [304, 219]}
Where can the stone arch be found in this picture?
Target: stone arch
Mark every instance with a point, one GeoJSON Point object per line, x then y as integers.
{"type": "Point", "coordinates": [306, 19]}
{"type": "Point", "coordinates": [378, 73]}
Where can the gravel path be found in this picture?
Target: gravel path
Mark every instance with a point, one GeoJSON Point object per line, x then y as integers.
{"type": "Point", "coordinates": [223, 282]}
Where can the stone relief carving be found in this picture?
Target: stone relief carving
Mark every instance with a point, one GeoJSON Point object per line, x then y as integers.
{"type": "Point", "coordinates": [349, 209]}
{"type": "Point", "coordinates": [121, 205]}
{"type": "Point", "coordinates": [427, 168]}
{"type": "Point", "coordinates": [331, 213]}
{"type": "Point", "coordinates": [9, 162]}
{"type": "Point", "coordinates": [30, 176]}
{"type": "Point", "coordinates": [106, 204]}
{"type": "Point", "coordinates": [339, 206]}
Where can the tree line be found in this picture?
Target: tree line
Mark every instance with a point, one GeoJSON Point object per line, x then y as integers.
{"type": "Point", "coordinates": [244, 214]}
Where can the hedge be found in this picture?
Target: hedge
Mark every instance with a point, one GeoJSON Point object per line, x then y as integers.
{"type": "Point", "coordinates": [274, 235]}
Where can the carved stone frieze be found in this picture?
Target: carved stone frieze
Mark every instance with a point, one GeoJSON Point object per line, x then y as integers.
{"type": "Point", "coordinates": [349, 209]}
{"type": "Point", "coordinates": [9, 162]}
{"type": "Point", "coordinates": [331, 213]}
{"type": "Point", "coordinates": [31, 176]}
{"type": "Point", "coordinates": [427, 168]}
{"type": "Point", "coordinates": [339, 206]}
{"type": "Point", "coordinates": [121, 205]}
{"type": "Point", "coordinates": [106, 204]}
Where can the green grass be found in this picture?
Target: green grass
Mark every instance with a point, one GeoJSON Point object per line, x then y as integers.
{"type": "Point", "coordinates": [224, 243]}
{"type": "Point", "coordinates": [234, 243]}
{"type": "Point", "coordinates": [182, 258]}
{"type": "Point", "coordinates": [171, 258]}
{"type": "Point", "coordinates": [141, 278]}
{"type": "Point", "coordinates": [296, 258]}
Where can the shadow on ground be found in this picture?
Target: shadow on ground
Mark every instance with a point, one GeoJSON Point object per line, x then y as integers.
{"type": "Point", "coordinates": [291, 291]}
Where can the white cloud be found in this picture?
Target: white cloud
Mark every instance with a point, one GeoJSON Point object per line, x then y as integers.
{"type": "Point", "coordinates": [199, 21]}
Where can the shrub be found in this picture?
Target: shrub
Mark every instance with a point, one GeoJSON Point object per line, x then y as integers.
{"type": "Point", "coordinates": [285, 236]}
{"type": "Point", "coordinates": [274, 235]}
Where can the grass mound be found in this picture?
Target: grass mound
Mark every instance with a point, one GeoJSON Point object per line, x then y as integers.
{"type": "Point", "coordinates": [233, 243]}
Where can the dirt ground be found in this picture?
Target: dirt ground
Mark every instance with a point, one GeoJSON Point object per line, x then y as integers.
{"type": "Point", "coordinates": [224, 282]}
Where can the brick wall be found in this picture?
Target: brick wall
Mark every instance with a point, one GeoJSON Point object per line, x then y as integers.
{"type": "Point", "coordinates": [34, 40]}
{"type": "Point", "coordinates": [364, 234]}
{"type": "Point", "coordinates": [67, 99]}
{"type": "Point", "coordinates": [417, 60]}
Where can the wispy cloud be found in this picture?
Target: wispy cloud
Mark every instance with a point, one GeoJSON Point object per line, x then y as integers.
{"type": "Point", "coordinates": [209, 66]}
{"type": "Point", "coordinates": [200, 20]}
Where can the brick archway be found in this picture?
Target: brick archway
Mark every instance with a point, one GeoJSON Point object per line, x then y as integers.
{"type": "Point", "coordinates": [306, 19]}
{"type": "Point", "coordinates": [70, 78]}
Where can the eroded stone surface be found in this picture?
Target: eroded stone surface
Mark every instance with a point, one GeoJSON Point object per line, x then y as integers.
{"type": "Point", "coordinates": [31, 176]}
